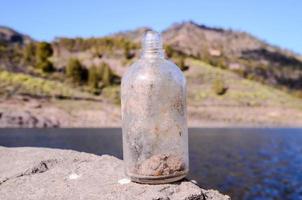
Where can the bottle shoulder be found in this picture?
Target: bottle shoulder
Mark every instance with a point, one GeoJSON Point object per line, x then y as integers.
{"type": "Point", "coordinates": [153, 70]}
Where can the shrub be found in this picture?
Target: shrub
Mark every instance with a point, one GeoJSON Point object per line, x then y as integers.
{"type": "Point", "coordinates": [219, 87]}
{"type": "Point", "coordinates": [44, 51]}
{"type": "Point", "coordinates": [104, 44]}
{"type": "Point", "coordinates": [27, 84]}
{"type": "Point", "coordinates": [177, 57]}
{"type": "Point", "coordinates": [127, 51]}
{"type": "Point", "coordinates": [46, 66]}
{"type": "Point", "coordinates": [76, 71]}
{"type": "Point", "coordinates": [106, 74]}
{"type": "Point", "coordinates": [94, 77]}
{"type": "Point", "coordinates": [29, 53]}
{"type": "Point", "coordinates": [169, 51]}
{"type": "Point", "coordinates": [100, 77]}
{"type": "Point", "coordinates": [180, 62]}
{"type": "Point", "coordinates": [113, 94]}
{"type": "Point", "coordinates": [101, 74]}
{"type": "Point", "coordinates": [217, 62]}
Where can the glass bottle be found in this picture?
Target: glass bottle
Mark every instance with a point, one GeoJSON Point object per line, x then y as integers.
{"type": "Point", "coordinates": [154, 117]}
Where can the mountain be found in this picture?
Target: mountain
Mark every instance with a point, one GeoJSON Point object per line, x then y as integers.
{"type": "Point", "coordinates": [134, 35]}
{"type": "Point", "coordinates": [234, 50]}
{"type": "Point", "coordinates": [233, 78]}
{"type": "Point", "coordinates": [8, 35]}
{"type": "Point", "coordinates": [11, 48]}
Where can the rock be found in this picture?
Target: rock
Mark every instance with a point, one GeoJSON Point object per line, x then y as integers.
{"type": "Point", "coordinates": [25, 119]}
{"type": "Point", "coordinates": [40, 173]}
{"type": "Point", "coordinates": [34, 105]}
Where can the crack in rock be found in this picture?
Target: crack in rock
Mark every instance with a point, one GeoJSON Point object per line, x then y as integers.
{"type": "Point", "coordinates": [3, 181]}
{"type": "Point", "coordinates": [42, 167]}
{"type": "Point", "coordinates": [170, 191]}
{"type": "Point", "coordinates": [195, 197]}
{"type": "Point", "coordinates": [161, 198]}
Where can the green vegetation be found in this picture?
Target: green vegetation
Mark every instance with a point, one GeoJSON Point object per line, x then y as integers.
{"type": "Point", "coordinates": [26, 84]}
{"type": "Point", "coordinates": [127, 50]}
{"type": "Point", "coordinates": [10, 54]}
{"type": "Point", "coordinates": [100, 77]}
{"type": "Point", "coordinates": [219, 77]}
{"type": "Point", "coordinates": [43, 52]}
{"type": "Point", "coordinates": [94, 77]}
{"type": "Point", "coordinates": [29, 53]}
{"type": "Point", "coordinates": [217, 62]}
{"type": "Point", "coordinates": [101, 44]}
{"type": "Point", "coordinates": [218, 86]}
{"type": "Point", "coordinates": [180, 62]}
{"type": "Point", "coordinates": [107, 76]}
{"type": "Point", "coordinates": [277, 67]}
{"type": "Point", "coordinates": [203, 78]}
{"type": "Point", "coordinates": [45, 66]}
{"type": "Point", "coordinates": [177, 57]}
{"type": "Point", "coordinates": [169, 51]}
{"type": "Point", "coordinates": [76, 71]}
{"type": "Point", "coordinates": [113, 94]}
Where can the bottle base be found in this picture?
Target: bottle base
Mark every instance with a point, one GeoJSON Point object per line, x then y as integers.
{"type": "Point", "coordinates": [152, 180]}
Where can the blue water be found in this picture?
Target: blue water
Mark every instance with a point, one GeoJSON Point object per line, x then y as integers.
{"type": "Point", "coordinates": [243, 163]}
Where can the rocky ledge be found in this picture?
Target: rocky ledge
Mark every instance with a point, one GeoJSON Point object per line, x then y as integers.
{"type": "Point", "coordinates": [40, 173]}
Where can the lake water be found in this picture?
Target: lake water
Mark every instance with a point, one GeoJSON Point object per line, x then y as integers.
{"type": "Point", "coordinates": [243, 163]}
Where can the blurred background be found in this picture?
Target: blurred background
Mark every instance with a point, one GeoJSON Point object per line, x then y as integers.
{"type": "Point", "coordinates": [61, 62]}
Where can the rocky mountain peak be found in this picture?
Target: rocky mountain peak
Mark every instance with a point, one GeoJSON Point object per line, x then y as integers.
{"type": "Point", "coordinates": [191, 25]}
{"type": "Point", "coordinates": [195, 39]}
{"type": "Point", "coordinates": [135, 35]}
{"type": "Point", "coordinates": [9, 35]}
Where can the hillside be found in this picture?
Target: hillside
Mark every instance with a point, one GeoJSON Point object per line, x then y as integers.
{"type": "Point", "coordinates": [11, 42]}
{"type": "Point", "coordinates": [234, 79]}
{"type": "Point", "coordinates": [8, 35]}
{"type": "Point", "coordinates": [246, 103]}
{"type": "Point", "coordinates": [237, 51]}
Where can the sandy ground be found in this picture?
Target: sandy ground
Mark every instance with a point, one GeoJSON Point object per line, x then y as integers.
{"type": "Point", "coordinates": [25, 112]}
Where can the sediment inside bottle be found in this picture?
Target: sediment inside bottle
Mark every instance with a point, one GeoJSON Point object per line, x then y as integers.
{"type": "Point", "coordinates": [160, 166]}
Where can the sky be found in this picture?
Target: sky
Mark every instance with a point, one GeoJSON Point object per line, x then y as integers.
{"type": "Point", "coordinates": [276, 21]}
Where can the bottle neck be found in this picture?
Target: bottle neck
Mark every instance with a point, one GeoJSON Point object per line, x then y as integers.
{"type": "Point", "coordinates": [152, 45]}
{"type": "Point", "coordinates": [152, 53]}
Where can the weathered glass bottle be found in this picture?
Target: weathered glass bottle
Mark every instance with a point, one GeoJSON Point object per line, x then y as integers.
{"type": "Point", "coordinates": [155, 135]}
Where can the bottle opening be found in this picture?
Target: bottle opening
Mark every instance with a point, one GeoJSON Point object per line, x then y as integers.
{"type": "Point", "coordinates": [152, 45]}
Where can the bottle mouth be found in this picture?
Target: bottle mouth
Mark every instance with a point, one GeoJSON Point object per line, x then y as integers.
{"type": "Point", "coordinates": [152, 44]}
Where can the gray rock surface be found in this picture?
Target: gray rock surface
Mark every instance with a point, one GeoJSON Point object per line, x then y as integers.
{"type": "Point", "coordinates": [40, 173]}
